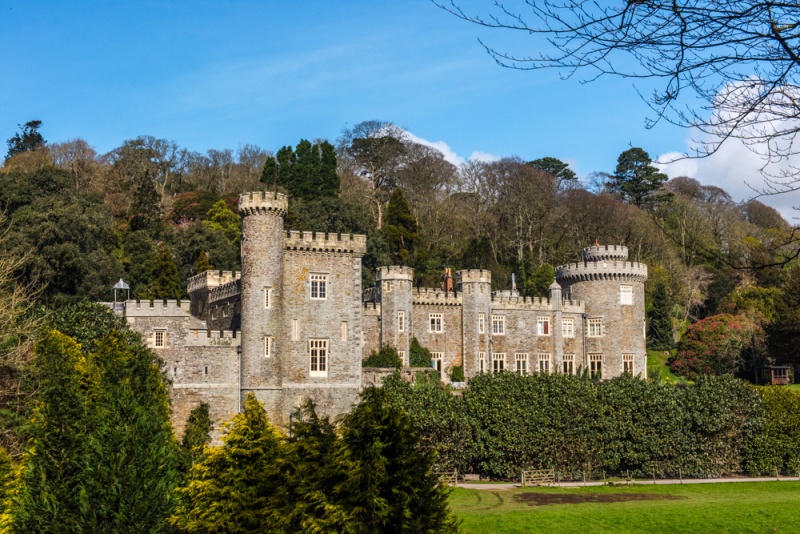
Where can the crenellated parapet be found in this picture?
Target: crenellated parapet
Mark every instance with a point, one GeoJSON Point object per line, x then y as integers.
{"type": "Point", "coordinates": [211, 279]}
{"type": "Point", "coordinates": [324, 242]}
{"type": "Point", "coordinates": [428, 295]}
{"type": "Point", "coordinates": [157, 308]}
{"type": "Point", "coordinates": [395, 272]}
{"type": "Point", "coordinates": [500, 301]}
{"type": "Point", "coordinates": [474, 276]}
{"type": "Point", "coordinates": [573, 306]}
{"type": "Point", "coordinates": [602, 270]}
{"type": "Point", "coordinates": [263, 202]}
{"type": "Point", "coordinates": [605, 252]}
{"type": "Point", "coordinates": [213, 338]}
{"type": "Point", "coordinates": [226, 291]}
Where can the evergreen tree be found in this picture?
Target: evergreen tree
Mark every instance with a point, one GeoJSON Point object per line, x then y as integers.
{"type": "Point", "coordinates": [165, 283]}
{"type": "Point", "coordinates": [659, 335]}
{"type": "Point", "coordinates": [221, 218]}
{"type": "Point", "coordinates": [386, 357]}
{"type": "Point", "coordinates": [146, 212]}
{"type": "Point", "coordinates": [197, 434]}
{"type": "Point", "coordinates": [539, 282]}
{"type": "Point", "coordinates": [400, 228]}
{"type": "Point", "coordinates": [308, 172]}
{"type": "Point", "coordinates": [230, 490]}
{"type": "Point", "coordinates": [419, 356]}
{"type": "Point", "coordinates": [29, 141]}
{"type": "Point", "coordinates": [784, 332]}
{"type": "Point", "coordinates": [390, 486]}
{"type": "Point", "coordinates": [635, 179]}
{"type": "Point", "coordinates": [202, 265]}
{"type": "Point", "coordinates": [555, 168]}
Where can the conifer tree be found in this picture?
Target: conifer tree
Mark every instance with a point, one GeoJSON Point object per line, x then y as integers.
{"type": "Point", "coordinates": [146, 212]}
{"type": "Point", "coordinates": [231, 488]}
{"type": "Point", "coordinates": [202, 265]}
{"type": "Point", "coordinates": [197, 434]}
{"type": "Point", "coordinates": [400, 228]}
{"type": "Point", "coordinates": [636, 179]}
{"type": "Point", "coordinates": [660, 335]}
{"type": "Point", "coordinates": [221, 218]}
{"type": "Point", "coordinates": [308, 172]}
{"type": "Point", "coordinates": [165, 282]}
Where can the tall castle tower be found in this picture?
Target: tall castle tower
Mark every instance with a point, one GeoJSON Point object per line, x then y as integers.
{"type": "Point", "coordinates": [614, 322]}
{"type": "Point", "coordinates": [395, 284]}
{"type": "Point", "coordinates": [262, 296]}
{"type": "Point", "coordinates": [475, 286]}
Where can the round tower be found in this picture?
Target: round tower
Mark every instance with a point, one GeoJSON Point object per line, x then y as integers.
{"type": "Point", "coordinates": [261, 297]}
{"type": "Point", "coordinates": [612, 290]}
{"type": "Point", "coordinates": [394, 284]}
{"type": "Point", "coordinates": [475, 286]}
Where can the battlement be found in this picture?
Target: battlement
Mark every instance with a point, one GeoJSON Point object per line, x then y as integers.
{"type": "Point", "coordinates": [602, 270]}
{"type": "Point", "coordinates": [263, 202]}
{"type": "Point", "coordinates": [605, 252]}
{"type": "Point", "coordinates": [211, 279]}
{"type": "Point", "coordinates": [231, 289]}
{"type": "Point", "coordinates": [395, 272]}
{"type": "Point", "coordinates": [428, 295]}
{"type": "Point", "coordinates": [474, 275]}
{"type": "Point", "coordinates": [157, 308]}
{"type": "Point", "coordinates": [324, 242]}
{"type": "Point", "coordinates": [504, 301]}
{"type": "Point", "coordinates": [209, 338]}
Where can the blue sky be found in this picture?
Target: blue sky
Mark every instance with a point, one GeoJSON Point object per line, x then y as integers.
{"type": "Point", "coordinates": [220, 74]}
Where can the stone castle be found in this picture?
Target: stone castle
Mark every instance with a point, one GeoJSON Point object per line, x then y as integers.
{"type": "Point", "coordinates": [295, 323]}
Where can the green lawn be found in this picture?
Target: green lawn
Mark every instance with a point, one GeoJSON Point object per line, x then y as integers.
{"type": "Point", "coordinates": [657, 363]}
{"type": "Point", "coordinates": [702, 508]}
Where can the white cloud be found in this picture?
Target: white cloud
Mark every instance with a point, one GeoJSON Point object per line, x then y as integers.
{"type": "Point", "coordinates": [449, 154]}
{"type": "Point", "coordinates": [477, 155]}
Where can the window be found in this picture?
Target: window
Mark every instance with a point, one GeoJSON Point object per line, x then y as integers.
{"type": "Point", "coordinates": [213, 313]}
{"type": "Point", "coordinates": [319, 286]}
{"type": "Point", "coordinates": [542, 326]}
{"type": "Point", "coordinates": [481, 323]}
{"type": "Point", "coordinates": [498, 362]}
{"type": "Point", "coordinates": [401, 321]}
{"type": "Point", "coordinates": [344, 330]}
{"type": "Point", "coordinates": [225, 310]}
{"type": "Point", "coordinates": [403, 359]}
{"type": "Point", "coordinates": [596, 365]}
{"type": "Point", "coordinates": [568, 327]}
{"type": "Point", "coordinates": [595, 328]}
{"type": "Point", "coordinates": [626, 294]}
{"type": "Point", "coordinates": [387, 286]}
{"type": "Point", "coordinates": [627, 363]}
{"type": "Point", "coordinates": [205, 371]}
{"type": "Point", "coordinates": [521, 363]}
{"type": "Point", "coordinates": [437, 324]}
{"type": "Point", "coordinates": [267, 296]}
{"type": "Point", "coordinates": [174, 371]}
{"type": "Point", "coordinates": [482, 362]}
{"type": "Point", "coordinates": [498, 325]}
{"type": "Point", "coordinates": [569, 364]}
{"type": "Point", "coordinates": [295, 330]}
{"type": "Point", "coordinates": [267, 346]}
{"type": "Point", "coordinates": [160, 340]}
{"type": "Point", "coordinates": [437, 358]}
{"type": "Point", "coordinates": [544, 364]}
{"type": "Point", "coordinates": [318, 353]}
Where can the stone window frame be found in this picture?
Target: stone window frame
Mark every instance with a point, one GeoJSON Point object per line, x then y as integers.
{"type": "Point", "coordinates": [318, 286]}
{"type": "Point", "coordinates": [401, 321]}
{"type": "Point", "coordinates": [437, 361]}
{"type": "Point", "coordinates": [481, 323]}
{"type": "Point", "coordinates": [295, 330]}
{"type": "Point", "coordinates": [568, 327]}
{"type": "Point", "coordinates": [344, 330]}
{"type": "Point", "coordinates": [595, 365]}
{"type": "Point", "coordinates": [521, 363]}
{"type": "Point", "coordinates": [435, 323]}
{"type": "Point", "coordinates": [628, 364]}
{"type": "Point", "coordinates": [268, 346]}
{"type": "Point", "coordinates": [569, 364]}
{"type": "Point", "coordinates": [594, 327]}
{"type": "Point", "coordinates": [498, 325]}
{"type": "Point", "coordinates": [482, 362]}
{"type": "Point", "coordinates": [626, 295]}
{"type": "Point", "coordinates": [267, 297]}
{"type": "Point", "coordinates": [543, 326]}
{"type": "Point", "coordinates": [214, 312]}
{"type": "Point", "coordinates": [498, 362]}
{"type": "Point", "coordinates": [159, 338]}
{"type": "Point", "coordinates": [318, 358]}
{"type": "Point", "coordinates": [225, 310]}
{"type": "Point", "coordinates": [544, 359]}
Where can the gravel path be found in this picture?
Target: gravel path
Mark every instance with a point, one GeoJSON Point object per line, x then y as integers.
{"type": "Point", "coordinates": [511, 485]}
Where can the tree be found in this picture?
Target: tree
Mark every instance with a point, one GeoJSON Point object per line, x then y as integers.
{"type": "Point", "coordinates": [202, 264]}
{"type": "Point", "coordinates": [538, 283]}
{"type": "Point", "coordinates": [400, 228]}
{"type": "Point", "coordinates": [29, 141]}
{"type": "Point", "coordinates": [386, 357]}
{"type": "Point", "coordinates": [146, 212]}
{"type": "Point", "coordinates": [419, 356]}
{"type": "Point", "coordinates": [554, 167]}
{"type": "Point", "coordinates": [635, 179]}
{"type": "Point", "coordinates": [165, 283]}
{"type": "Point", "coordinates": [308, 172]}
{"type": "Point", "coordinates": [222, 219]}
{"type": "Point", "coordinates": [659, 332]}
{"type": "Point", "coordinates": [738, 59]}
{"type": "Point", "coordinates": [197, 434]}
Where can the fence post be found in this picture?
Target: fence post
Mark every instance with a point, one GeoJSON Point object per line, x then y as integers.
{"type": "Point", "coordinates": [584, 476]}
{"type": "Point", "coordinates": [776, 474]}
{"type": "Point", "coordinates": [654, 475]}
{"type": "Point", "coordinates": [680, 475]}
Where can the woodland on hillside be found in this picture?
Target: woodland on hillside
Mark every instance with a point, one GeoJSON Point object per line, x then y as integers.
{"type": "Point", "coordinates": [154, 213]}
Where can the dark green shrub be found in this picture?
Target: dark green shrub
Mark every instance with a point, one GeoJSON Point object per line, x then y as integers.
{"type": "Point", "coordinates": [776, 441]}
{"type": "Point", "coordinates": [419, 356]}
{"type": "Point", "coordinates": [457, 374]}
{"type": "Point", "coordinates": [386, 357]}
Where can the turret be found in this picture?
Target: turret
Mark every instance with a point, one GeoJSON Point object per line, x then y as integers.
{"type": "Point", "coordinates": [475, 286]}
{"type": "Point", "coordinates": [394, 285]}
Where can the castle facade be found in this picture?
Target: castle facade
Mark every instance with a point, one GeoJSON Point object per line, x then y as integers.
{"type": "Point", "coordinates": [295, 323]}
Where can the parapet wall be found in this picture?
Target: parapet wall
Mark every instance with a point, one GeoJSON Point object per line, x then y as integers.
{"type": "Point", "coordinates": [474, 275]}
{"type": "Point", "coordinates": [427, 295]}
{"type": "Point", "coordinates": [605, 252]}
{"type": "Point", "coordinates": [157, 308]}
{"type": "Point", "coordinates": [395, 272]}
{"type": "Point", "coordinates": [521, 303]}
{"type": "Point", "coordinates": [211, 279]}
{"type": "Point", "coordinates": [602, 270]}
{"type": "Point", "coordinates": [324, 242]}
{"type": "Point", "coordinates": [206, 338]}
{"type": "Point", "coordinates": [263, 202]}
{"type": "Point", "coordinates": [231, 289]}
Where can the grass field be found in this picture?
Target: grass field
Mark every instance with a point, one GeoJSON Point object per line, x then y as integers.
{"type": "Point", "coordinates": [657, 364]}
{"type": "Point", "coordinates": [702, 508]}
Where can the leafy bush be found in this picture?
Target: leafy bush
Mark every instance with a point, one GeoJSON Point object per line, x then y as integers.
{"type": "Point", "coordinates": [776, 442]}
{"type": "Point", "coordinates": [457, 375]}
{"type": "Point", "coordinates": [386, 357]}
{"type": "Point", "coordinates": [419, 356]}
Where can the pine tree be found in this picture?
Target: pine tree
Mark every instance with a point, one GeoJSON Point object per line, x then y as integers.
{"type": "Point", "coordinates": [202, 265]}
{"type": "Point", "coordinates": [660, 336]}
{"type": "Point", "coordinates": [197, 434]}
{"type": "Point", "coordinates": [635, 179]}
{"type": "Point", "coordinates": [400, 228]}
{"type": "Point", "coordinates": [29, 141]}
{"type": "Point", "coordinates": [230, 490]}
{"type": "Point", "coordinates": [165, 282]}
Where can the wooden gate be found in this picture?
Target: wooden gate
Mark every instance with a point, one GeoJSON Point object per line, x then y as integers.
{"type": "Point", "coordinates": [538, 477]}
